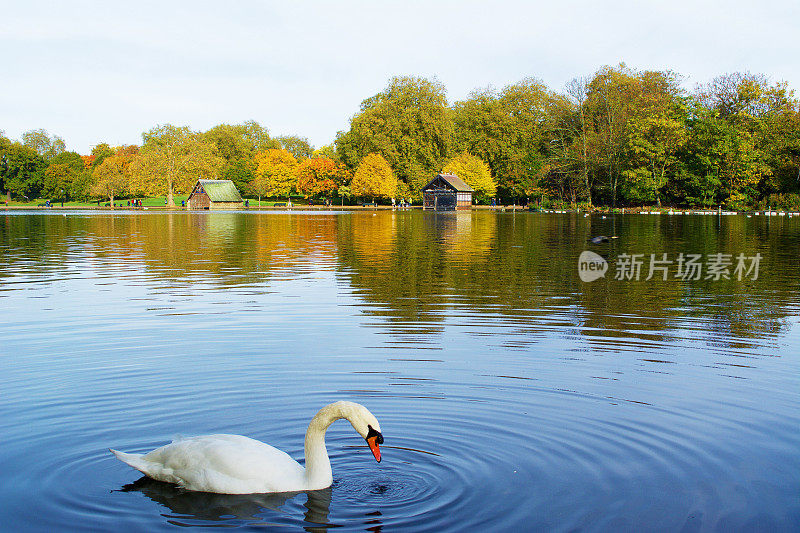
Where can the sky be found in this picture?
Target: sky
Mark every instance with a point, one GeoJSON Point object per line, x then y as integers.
{"type": "Point", "coordinates": [93, 72]}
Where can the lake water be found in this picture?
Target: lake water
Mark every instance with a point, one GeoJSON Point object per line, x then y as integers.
{"type": "Point", "coordinates": [512, 395]}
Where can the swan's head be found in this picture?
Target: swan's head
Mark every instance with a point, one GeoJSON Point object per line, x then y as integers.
{"type": "Point", "coordinates": [365, 424]}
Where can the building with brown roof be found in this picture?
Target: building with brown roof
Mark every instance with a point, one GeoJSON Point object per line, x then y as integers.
{"type": "Point", "coordinates": [447, 192]}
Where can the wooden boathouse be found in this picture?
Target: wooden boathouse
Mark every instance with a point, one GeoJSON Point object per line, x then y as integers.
{"type": "Point", "coordinates": [447, 192]}
{"type": "Point", "coordinates": [214, 194]}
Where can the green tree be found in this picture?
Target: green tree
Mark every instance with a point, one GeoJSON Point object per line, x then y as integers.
{"type": "Point", "coordinates": [237, 145]}
{"type": "Point", "coordinates": [782, 132]}
{"type": "Point", "coordinates": [23, 170]}
{"type": "Point", "coordinates": [60, 175]}
{"type": "Point", "coordinates": [5, 145]}
{"type": "Point", "coordinates": [484, 127]}
{"type": "Point", "coordinates": [475, 173]}
{"type": "Point", "coordinates": [99, 153]}
{"type": "Point", "coordinates": [656, 132]}
{"type": "Point", "coordinates": [240, 141]}
{"type": "Point", "coordinates": [171, 159]}
{"type": "Point", "coordinates": [567, 172]}
{"type": "Point", "coordinates": [46, 146]}
{"type": "Point", "coordinates": [374, 178]}
{"type": "Point", "coordinates": [328, 151]}
{"type": "Point", "coordinates": [409, 125]}
{"type": "Point", "coordinates": [241, 172]}
{"type": "Point", "coordinates": [734, 135]}
{"type": "Point", "coordinates": [577, 131]}
{"type": "Point", "coordinates": [298, 146]}
{"type": "Point", "coordinates": [510, 130]}
{"type": "Point", "coordinates": [82, 185]}
{"type": "Point", "coordinates": [610, 104]}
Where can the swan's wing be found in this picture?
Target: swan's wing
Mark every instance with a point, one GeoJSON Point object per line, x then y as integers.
{"type": "Point", "coordinates": [223, 463]}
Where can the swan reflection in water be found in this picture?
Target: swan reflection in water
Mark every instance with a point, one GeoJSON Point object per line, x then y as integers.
{"type": "Point", "coordinates": [207, 506]}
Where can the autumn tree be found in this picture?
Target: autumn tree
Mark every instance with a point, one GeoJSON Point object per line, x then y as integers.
{"type": "Point", "coordinates": [320, 176]}
{"type": "Point", "coordinates": [475, 173]}
{"type": "Point", "coordinates": [374, 178]}
{"type": "Point", "coordinates": [276, 173]}
{"type": "Point", "coordinates": [171, 159]}
{"type": "Point", "coordinates": [111, 178]}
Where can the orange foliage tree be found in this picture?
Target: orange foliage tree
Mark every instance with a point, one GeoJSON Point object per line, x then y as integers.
{"type": "Point", "coordinates": [320, 176]}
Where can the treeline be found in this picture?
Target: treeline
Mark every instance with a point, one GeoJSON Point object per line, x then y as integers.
{"type": "Point", "coordinates": [621, 137]}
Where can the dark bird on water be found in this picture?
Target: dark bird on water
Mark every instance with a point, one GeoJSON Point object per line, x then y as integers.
{"type": "Point", "coordinates": [601, 239]}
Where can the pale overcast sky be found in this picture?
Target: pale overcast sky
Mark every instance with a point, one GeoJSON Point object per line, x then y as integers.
{"type": "Point", "coordinates": [107, 71]}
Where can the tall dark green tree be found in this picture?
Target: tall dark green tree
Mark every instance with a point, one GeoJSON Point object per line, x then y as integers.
{"type": "Point", "coordinates": [237, 144]}
{"type": "Point", "coordinates": [735, 136]}
{"type": "Point", "coordinates": [5, 144]}
{"type": "Point", "coordinates": [46, 146]}
{"type": "Point", "coordinates": [296, 145]}
{"type": "Point", "coordinates": [409, 124]}
{"type": "Point", "coordinates": [23, 171]}
{"type": "Point", "coordinates": [60, 175]}
{"type": "Point", "coordinates": [510, 130]}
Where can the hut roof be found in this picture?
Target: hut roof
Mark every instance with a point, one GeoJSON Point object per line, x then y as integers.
{"type": "Point", "coordinates": [221, 190]}
{"type": "Point", "coordinates": [454, 181]}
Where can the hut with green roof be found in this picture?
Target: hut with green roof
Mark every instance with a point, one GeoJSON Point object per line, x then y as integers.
{"type": "Point", "coordinates": [214, 194]}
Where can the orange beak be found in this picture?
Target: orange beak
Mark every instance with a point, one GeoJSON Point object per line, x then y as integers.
{"type": "Point", "coordinates": [373, 445]}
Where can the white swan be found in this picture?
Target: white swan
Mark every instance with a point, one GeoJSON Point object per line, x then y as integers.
{"type": "Point", "coordinates": [232, 464]}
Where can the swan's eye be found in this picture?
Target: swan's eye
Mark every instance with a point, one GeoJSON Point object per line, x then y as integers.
{"type": "Point", "coordinates": [376, 434]}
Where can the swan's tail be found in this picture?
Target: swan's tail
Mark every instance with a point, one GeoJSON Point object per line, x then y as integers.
{"type": "Point", "coordinates": [136, 460]}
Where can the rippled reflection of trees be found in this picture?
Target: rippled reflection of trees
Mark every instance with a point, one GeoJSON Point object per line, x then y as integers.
{"type": "Point", "coordinates": [417, 270]}
{"type": "Point", "coordinates": [423, 268]}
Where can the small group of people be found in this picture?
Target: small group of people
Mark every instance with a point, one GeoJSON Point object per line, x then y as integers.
{"type": "Point", "coordinates": [402, 204]}
{"type": "Point", "coordinates": [134, 203]}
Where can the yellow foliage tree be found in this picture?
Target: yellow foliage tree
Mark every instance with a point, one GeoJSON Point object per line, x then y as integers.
{"type": "Point", "coordinates": [374, 178]}
{"type": "Point", "coordinates": [475, 173]}
{"type": "Point", "coordinates": [276, 173]}
{"type": "Point", "coordinates": [111, 178]}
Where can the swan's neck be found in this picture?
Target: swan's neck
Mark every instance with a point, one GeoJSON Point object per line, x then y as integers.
{"type": "Point", "coordinates": [318, 465]}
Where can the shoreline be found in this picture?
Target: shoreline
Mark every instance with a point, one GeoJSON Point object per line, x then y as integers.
{"type": "Point", "coordinates": [513, 208]}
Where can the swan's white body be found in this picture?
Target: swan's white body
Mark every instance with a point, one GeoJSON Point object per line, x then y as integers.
{"type": "Point", "coordinates": [232, 464]}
